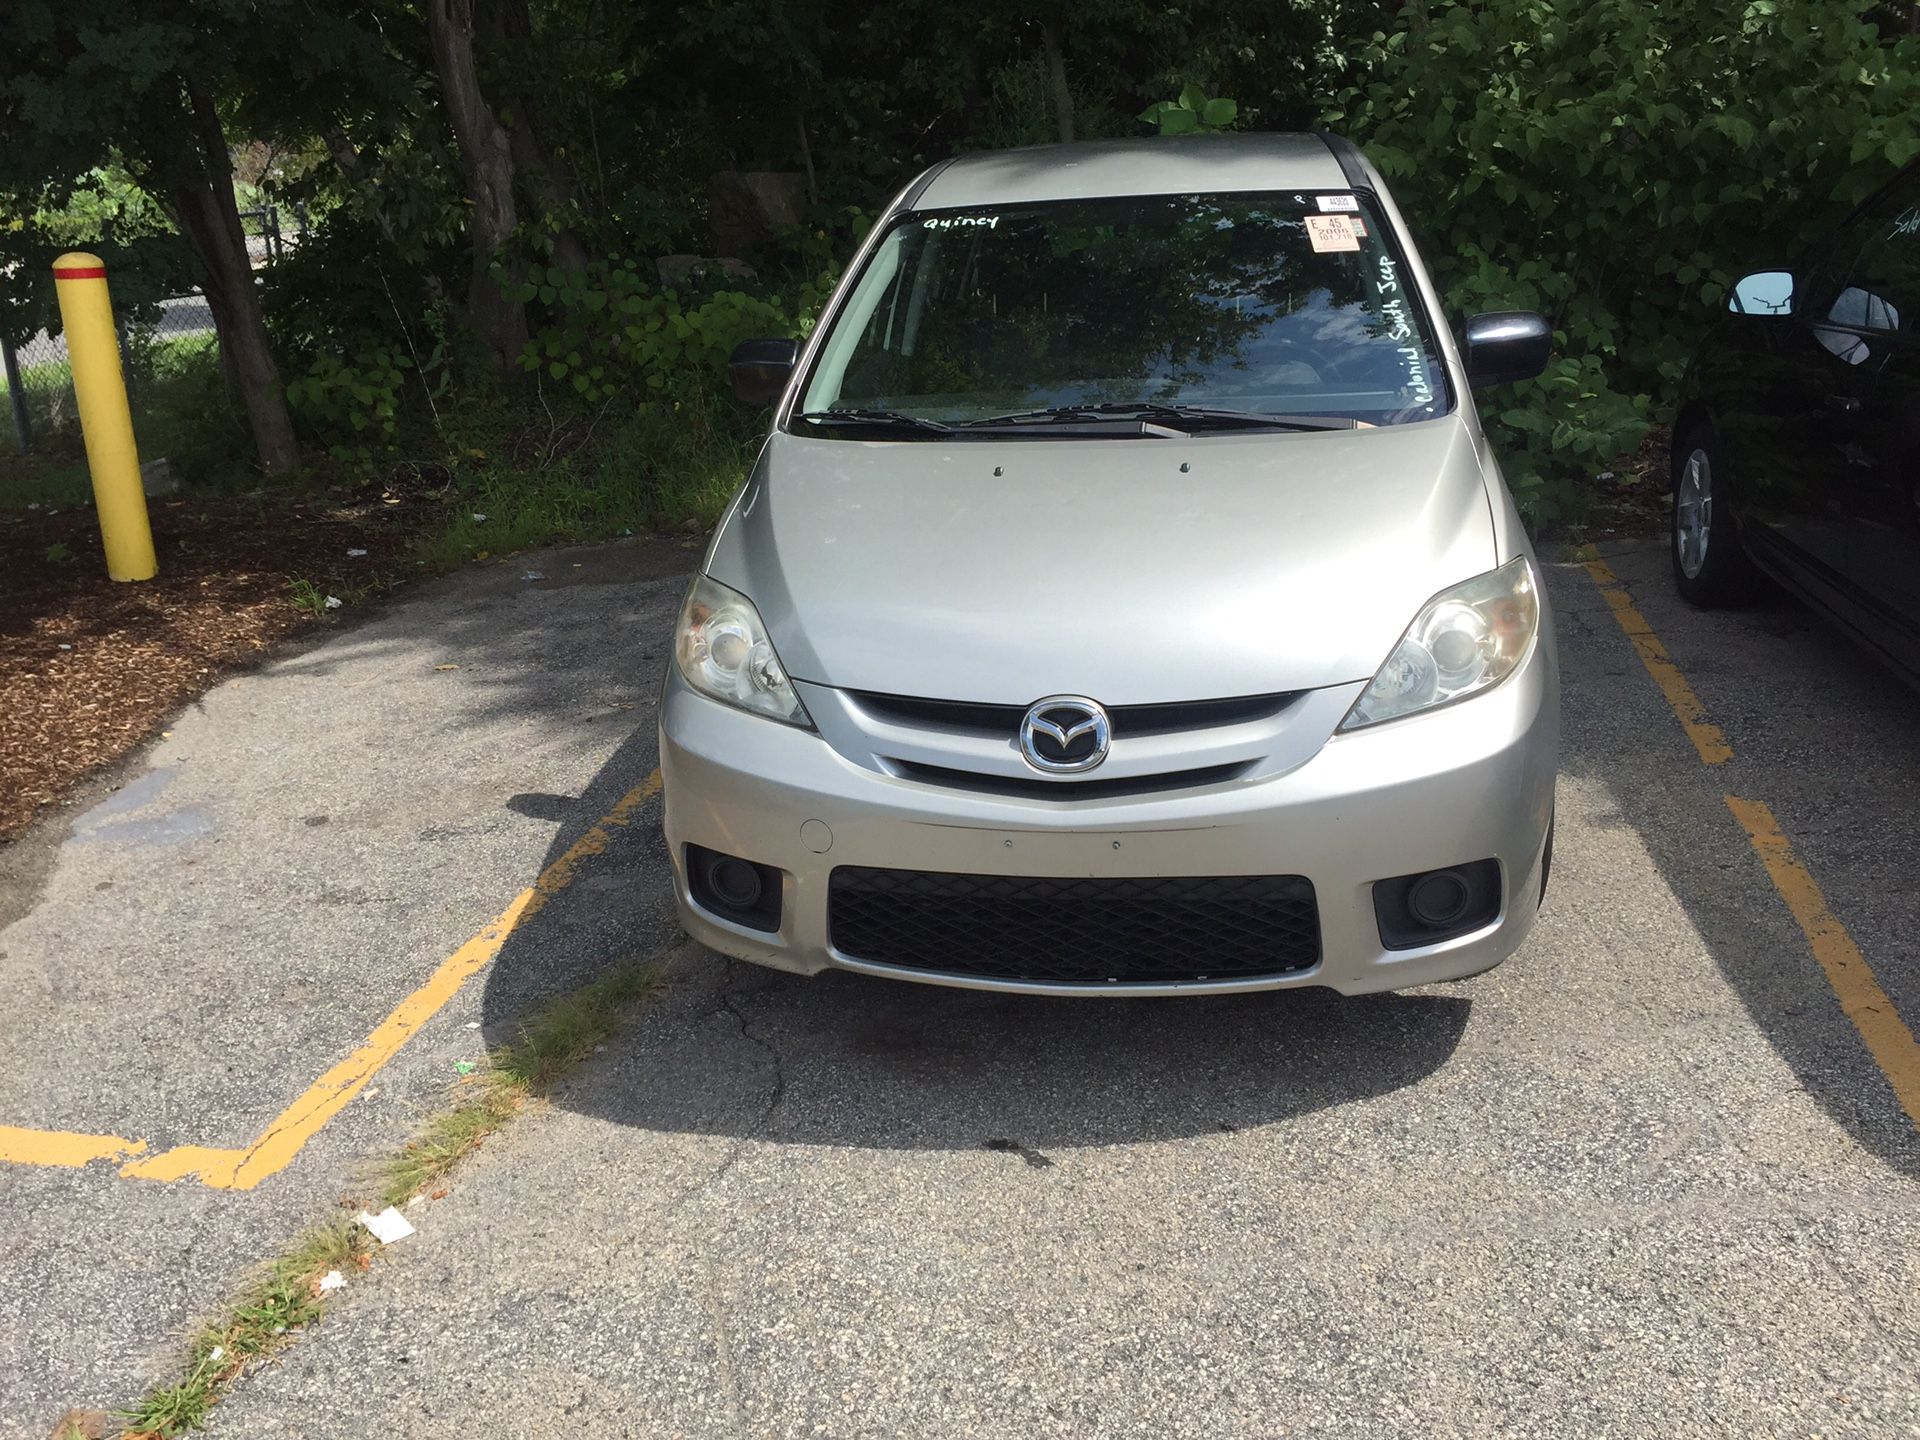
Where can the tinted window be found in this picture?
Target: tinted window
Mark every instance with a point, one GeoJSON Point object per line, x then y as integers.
{"type": "Point", "coordinates": [1871, 278]}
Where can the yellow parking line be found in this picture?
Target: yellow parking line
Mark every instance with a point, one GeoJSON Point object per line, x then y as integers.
{"type": "Point", "coordinates": [1873, 1014]}
{"type": "Point", "coordinates": [62, 1147]}
{"type": "Point", "coordinates": [1862, 1000]}
{"type": "Point", "coordinates": [326, 1097]}
{"type": "Point", "coordinates": [1706, 736]}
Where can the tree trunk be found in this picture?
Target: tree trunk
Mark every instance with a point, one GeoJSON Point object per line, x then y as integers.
{"type": "Point", "coordinates": [486, 158]}
{"type": "Point", "coordinates": [1057, 70]}
{"type": "Point", "coordinates": [806, 159]}
{"type": "Point", "coordinates": [549, 192]}
{"type": "Point", "coordinates": [544, 184]}
{"type": "Point", "coordinates": [201, 196]}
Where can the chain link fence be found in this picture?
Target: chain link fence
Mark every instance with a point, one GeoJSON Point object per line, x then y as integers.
{"type": "Point", "coordinates": [159, 345]}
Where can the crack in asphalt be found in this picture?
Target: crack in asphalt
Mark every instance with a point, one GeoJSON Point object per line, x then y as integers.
{"type": "Point", "coordinates": [726, 998]}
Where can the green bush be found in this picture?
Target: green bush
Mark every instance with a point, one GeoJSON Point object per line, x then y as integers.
{"type": "Point", "coordinates": [355, 400]}
{"type": "Point", "coordinates": [614, 333]}
{"type": "Point", "coordinates": [1617, 165]}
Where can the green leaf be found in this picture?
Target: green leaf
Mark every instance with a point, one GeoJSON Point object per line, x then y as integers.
{"type": "Point", "coordinates": [1219, 113]}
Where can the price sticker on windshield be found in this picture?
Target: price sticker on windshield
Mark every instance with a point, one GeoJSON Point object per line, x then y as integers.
{"type": "Point", "coordinates": [1328, 233]}
{"type": "Point", "coordinates": [1341, 203]}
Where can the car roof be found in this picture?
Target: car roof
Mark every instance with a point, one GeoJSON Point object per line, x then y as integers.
{"type": "Point", "coordinates": [1151, 165]}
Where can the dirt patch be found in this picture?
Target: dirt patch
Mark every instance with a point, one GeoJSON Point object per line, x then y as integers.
{"type": "Point", "coordinates": [89, 668]}
{"type": "Point", "coordinates": [1630, 501]}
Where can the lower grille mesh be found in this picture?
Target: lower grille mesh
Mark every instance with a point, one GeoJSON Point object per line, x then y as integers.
{"type": "Point", "coordinates": [1076, 931]}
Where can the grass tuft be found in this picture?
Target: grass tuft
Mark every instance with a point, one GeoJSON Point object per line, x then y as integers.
{"type": "Point", "coordinates": [660, 466]}
{"type": "Point", "coordinates": [555, 1038]}
{"type": "Point", "coordinates": [284, 1296]}
{"type": "Point", "coordinates": [279, 1299]}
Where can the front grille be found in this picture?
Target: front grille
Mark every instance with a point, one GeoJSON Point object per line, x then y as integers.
{"type": "Point", "coordinates": [1127, 720]}
{"type": "Point", "coordinates": [1076, 931]}
{"type": "Point", "coordinates": [1072, 787]}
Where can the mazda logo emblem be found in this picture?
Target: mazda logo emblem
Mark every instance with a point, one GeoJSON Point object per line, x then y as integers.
{"type": "Point", "coordinates": [1064, 733]}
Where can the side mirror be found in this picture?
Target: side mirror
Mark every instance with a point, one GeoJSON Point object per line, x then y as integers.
{"type": "Point", "coordinates": [759, 369]}
{"type": "Point", "coordinates": [1765, 292]}
{"type": "Point", "coordinates": [1506, 345]}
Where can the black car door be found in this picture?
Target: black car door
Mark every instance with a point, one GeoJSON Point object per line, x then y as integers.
{"type": "Point", "coordinates": [1804, 392]}
{"type": "Point", "coordinates": [1880, 480]}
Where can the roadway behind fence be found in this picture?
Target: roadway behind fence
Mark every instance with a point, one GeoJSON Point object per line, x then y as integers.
{"type": "Point", "coordinates": [156, 348]}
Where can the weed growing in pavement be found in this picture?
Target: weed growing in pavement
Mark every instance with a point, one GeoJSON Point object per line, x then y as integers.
{"type": "Point", "coordinates": [284, 1296]}
{"type": "Point", "coordinates": [59, 553]}
{"type": "Point", "coordinates": [551, 1042]}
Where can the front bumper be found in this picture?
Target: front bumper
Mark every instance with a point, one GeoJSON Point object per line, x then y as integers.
{"type": "Point", "coordinates": [1467, 782]}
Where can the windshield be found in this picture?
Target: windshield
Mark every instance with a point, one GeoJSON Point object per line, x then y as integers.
{"type": "Point", "coordinates": [1289, 304]}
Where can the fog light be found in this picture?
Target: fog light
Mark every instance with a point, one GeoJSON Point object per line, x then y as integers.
{"type": "Point", "coordinates": [1436, 905]}
{"type": "Point", "coordinates": [734, 889]}
{"type": "Point", "coordinates": [735, 882]}
{"type": "Point", "coordinates": [1439, 899]}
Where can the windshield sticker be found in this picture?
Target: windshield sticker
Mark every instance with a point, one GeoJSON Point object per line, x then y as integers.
{"type": "Point", "coordinates": [960, 222]}
{"type": "Point", "coordinates": [1339, 202]}
{"type": "Point", "coordinates": [1329, 233]}
{"type": "Point", "coordinates": [1399, 321]}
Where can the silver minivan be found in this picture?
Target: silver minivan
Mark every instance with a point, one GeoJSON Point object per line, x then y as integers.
{"type": "Point", "coordinates": [1126, 599]}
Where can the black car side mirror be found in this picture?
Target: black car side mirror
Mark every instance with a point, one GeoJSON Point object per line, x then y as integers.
{"type": "Point", "coordinates": [1506, 345]}
{"type": "Point", "coordinates": [759, 369]}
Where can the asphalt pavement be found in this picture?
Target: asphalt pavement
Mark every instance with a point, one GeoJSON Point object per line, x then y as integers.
{"type": "Point", "coordinates": [1646, 1179]}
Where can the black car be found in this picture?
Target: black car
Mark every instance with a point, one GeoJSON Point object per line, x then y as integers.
{"type": "Point", "coordinates": [1797, 444]}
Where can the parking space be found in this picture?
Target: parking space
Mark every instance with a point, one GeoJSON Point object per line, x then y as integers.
{"type": "Point", "coordinates": [253, 964]}
{"type": "Point", "coordinates": [1649, 1178]}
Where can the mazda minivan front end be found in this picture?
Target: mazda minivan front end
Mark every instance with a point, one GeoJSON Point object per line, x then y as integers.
{"type": "Point", "coordinates": [1125, 600]}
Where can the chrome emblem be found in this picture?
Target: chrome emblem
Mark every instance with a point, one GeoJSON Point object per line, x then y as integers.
{"type": "Point", "coordinates": [1064, 733]}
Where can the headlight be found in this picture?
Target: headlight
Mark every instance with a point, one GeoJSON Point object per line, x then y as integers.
{"type": "Point", "coordinates": [1465, 640]}
{"type": "Point", "coordinates": [723, 651]}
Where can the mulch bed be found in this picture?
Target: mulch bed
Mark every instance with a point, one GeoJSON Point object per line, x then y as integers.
{"type": "Point", "coordinates": [89, 668]}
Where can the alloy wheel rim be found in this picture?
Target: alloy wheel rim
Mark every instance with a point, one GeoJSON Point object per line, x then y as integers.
{"type": "Point", "coordinates": [1693, 514]}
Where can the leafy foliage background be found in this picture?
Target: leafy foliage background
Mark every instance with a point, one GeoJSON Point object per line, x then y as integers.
{"type": "Point", "coordinates": [1612, 163]}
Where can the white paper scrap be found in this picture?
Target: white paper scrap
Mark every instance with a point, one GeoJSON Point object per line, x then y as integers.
{"type": "Point", "coordinates": [333, 1280]}
{"type": "Point", "coordinates": [386, 1227]}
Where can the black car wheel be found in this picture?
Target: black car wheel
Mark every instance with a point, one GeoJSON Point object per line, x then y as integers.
{"type": "Point", "coordinates": [1709, 564]}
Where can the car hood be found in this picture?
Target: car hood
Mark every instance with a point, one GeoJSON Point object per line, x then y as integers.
{"type": "Point", "coordinates": [1135, 571]}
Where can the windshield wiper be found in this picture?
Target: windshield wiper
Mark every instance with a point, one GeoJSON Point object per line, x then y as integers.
{"type": "Point", "coordinates": [1181, 415]}
{"type": "Point", "coordinates": [879, 419]}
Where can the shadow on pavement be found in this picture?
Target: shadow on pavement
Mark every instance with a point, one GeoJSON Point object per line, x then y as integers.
{"type": "Point", "coordinates": [861, 1062]}
{"type": "Point", "coordinates": [1822, 735]}
{"type": "Point", "coordinates": [865, 1062]}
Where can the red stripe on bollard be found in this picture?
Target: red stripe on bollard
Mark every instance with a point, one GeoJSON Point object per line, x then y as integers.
{"type": "Point", "coordinates": [88, 272]}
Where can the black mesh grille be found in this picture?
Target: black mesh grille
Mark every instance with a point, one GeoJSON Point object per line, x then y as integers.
{"type": "Point", "coordinates": [1127, 719]}
{"type": "Point", "coordinates": [1076, 931]}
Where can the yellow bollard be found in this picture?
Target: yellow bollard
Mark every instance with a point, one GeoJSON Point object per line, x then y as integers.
{"type": "Point", "coordinates": [105, 421]}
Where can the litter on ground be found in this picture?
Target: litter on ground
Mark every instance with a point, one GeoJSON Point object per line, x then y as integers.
{"type": "Point", "coordinates": [386, 1227]}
